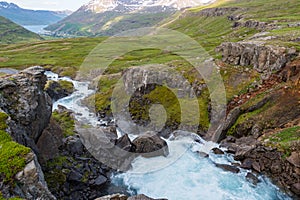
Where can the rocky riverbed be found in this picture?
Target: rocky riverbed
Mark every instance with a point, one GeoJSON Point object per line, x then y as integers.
{"type": "Point", "coordinates": [64, 164]}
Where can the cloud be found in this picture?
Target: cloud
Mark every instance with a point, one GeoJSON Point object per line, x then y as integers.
{"type": "Point", "coordinates": [49, 5]}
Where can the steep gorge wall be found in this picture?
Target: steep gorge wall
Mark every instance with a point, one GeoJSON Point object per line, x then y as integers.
{"type": "Point", "coordinates": [23, 98]}
{"type": "Point", "coordinates": [28, 109]}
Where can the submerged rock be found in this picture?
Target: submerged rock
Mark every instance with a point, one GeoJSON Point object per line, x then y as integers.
{"type": "Point", "coordinates": [228, 168]}
{"type": "Point", "coordinates": [217, 151]}
{"type": "Point", "coordinates": [252, 178]}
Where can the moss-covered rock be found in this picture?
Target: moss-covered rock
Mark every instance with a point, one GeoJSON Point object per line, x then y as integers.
{"type": "Point", "coordinates": [12, 154]}
{"type": "Point", "coordinates": [59, 89]}
{"type": "Point", "coordinates": [66, 121]}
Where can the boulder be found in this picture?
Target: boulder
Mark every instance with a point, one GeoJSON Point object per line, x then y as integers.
{"type": "Point", "coordinates": [125, 143]}
{"type": "Point", "coordinates": [247, 163]}
{"type": "Point", "coordinates": [100, 181]}
{"type": "Point", "coordinates": [294, 159]}
{"type": "Point", "coordinates": [202, 154]}
{"type": "Point", "coordinates": [296, 188]}
{"type": "Point", "coordinates": [228, 168]}
{"type": "Point", "coordinates": [217, 151]}
{"type": "Point", "coordinates": [252, 178]}
{"type": "Point", "coordinates": [74, 145]}
{"type": "Point", "coordinates": [151, 145]}
{"type": "Point", "coordinates": [75, 176]}
{"type": "Point", "coordinates": [50, 141]}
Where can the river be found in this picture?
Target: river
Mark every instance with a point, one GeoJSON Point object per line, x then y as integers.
{"type": "Point", "coordinates": [184, 174]}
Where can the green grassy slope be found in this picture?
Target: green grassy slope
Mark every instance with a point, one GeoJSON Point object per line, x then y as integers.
{"type": "Point", "coordinates": [67, 55]}
{"type": "Point", "coordinates": [64, 56]}
{"type": "Point", "coordinates": [13, 33]}
{"type": "Point", "coordinates": [212, 31]}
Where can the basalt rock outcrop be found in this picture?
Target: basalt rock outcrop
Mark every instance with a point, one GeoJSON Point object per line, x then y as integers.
{"type": "Point", "coordinates": [135, 78]}
{"type": "Point", "coordinates": [264, 58]}
{"type": "Point", "coordinates": [285, 172]}
{"type": "Point", "coordinates": [70, 169]}
{"type": "Point", "coordinates": [215, 12]}
{"type": "Point", "coordinates": [28, 108]}
{"type": "Point", "coordinates": [23, 98]}
{"type": "Point", "coordinates": [255, 24]}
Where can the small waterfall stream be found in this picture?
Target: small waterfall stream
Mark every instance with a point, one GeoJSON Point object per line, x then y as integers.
{"type": "Point", "coordinates": [184, 174]}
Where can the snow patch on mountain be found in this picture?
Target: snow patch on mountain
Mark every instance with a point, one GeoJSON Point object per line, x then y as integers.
{"type": "Point", "coordinates": [100, 6]}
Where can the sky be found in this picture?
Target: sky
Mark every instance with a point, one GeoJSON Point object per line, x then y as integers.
{"type": "Point", "coordinates": [49, 4]}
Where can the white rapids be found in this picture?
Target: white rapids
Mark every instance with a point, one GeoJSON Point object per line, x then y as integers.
{"type": "Point", "coordinates": [184, 174]}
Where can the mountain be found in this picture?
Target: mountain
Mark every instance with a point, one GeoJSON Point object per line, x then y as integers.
{"type": "Point", "coordinates": [12, 33]}
{"type": "Point", "coordinates": [30, 17]}
{"type": "Point", "coordinates": [108, 17]}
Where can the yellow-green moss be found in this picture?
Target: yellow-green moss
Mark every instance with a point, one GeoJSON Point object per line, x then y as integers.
{"type": "Point", "coordinates": [284, 139]}
{"type": "Point", "coordinates": [3, 118]}
{"type": "Point", "coordinates": [66, 122]}
{"type": "Point", "coordinates": [54, 175]}
{"type": "Point", "coordinates": [185, 111]}
{"type": "Point", "coordinates": [14, 198]}
{"type": "Point", "coordinates": [55, 178]}
{"type": "Point", "coordinates": [246, 116]}
{"type": "Point", "coordinates": [12, 154]}
{"type": "Point", "coordinates": [66, 85]}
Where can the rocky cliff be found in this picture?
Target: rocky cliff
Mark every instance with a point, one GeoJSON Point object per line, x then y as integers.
{"type": "Point", "coordinates": [23, 98]}
{"type": "Point", "coordinates": [27, 109]}
{"type": "Point", "coordinates": [264, 58]}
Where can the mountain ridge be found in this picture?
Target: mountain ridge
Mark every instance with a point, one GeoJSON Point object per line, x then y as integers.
{"type": "Point", "coordinates": [109, 17]}
{"type": "Point", "coordinates": [23, 16]}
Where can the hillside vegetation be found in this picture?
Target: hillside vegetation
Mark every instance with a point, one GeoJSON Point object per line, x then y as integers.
{"type": "Point", "coordinates": [207, 25]}
{"type": "Point", "coordinates": [13, 33]}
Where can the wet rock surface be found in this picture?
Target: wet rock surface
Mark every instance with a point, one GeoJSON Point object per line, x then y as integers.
{"type": "Point", "coordinates": [74, 173]}
{"type": "Point", "coordinates": [228, 168]}
{"type": "Point", "coordinates": [150, 145]}
{"type": "Point", "coordinates": [261, 159]}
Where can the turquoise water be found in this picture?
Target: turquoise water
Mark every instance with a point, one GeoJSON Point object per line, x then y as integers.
{"type": "Point", "coordinates": [184, 174]}
{"type": "Point", "coordinates": [192, 177]}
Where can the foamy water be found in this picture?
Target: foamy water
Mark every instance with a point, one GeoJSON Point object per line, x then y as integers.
{"type": "Point", "coordinates": [184, 174]}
